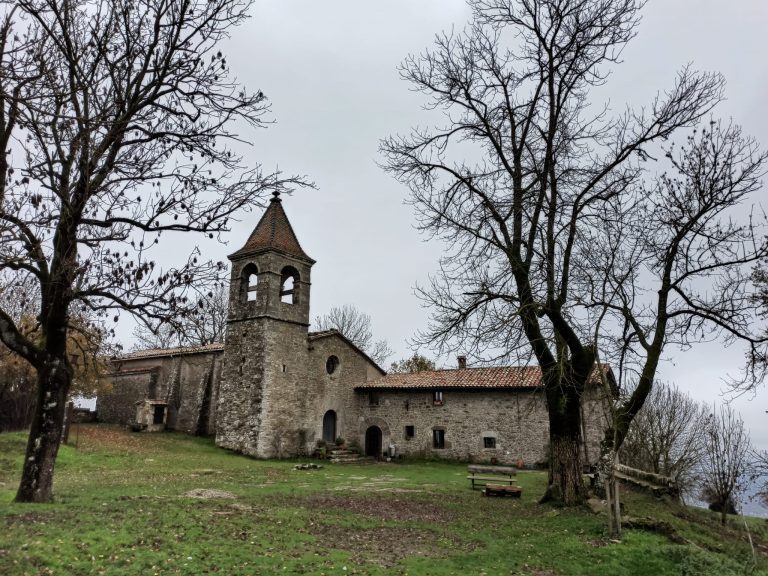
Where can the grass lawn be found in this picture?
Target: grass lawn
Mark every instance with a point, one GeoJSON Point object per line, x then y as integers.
{"type": "Point", "coordinates": [173, 504]}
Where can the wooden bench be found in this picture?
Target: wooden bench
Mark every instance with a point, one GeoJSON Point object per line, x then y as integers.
{"type": "Point", "coordinates": [484, 475]}
{"type": "Point", "coordinates": [499, 490]}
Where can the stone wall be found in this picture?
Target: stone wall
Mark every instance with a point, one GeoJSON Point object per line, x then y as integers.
{"type": "Point", "coordinates": [118, 405]}
{"type": "Point", "coordinates": [261, 399]}
{"type": "Point", "coordinates": [273, 399]}
{"type": "Point", "coordinates": [596, 414]}
{"type": "Point", "coordinates": [516, 419]}
{"type": "Point", "coordinates": [238, 406]}
{"type": "Point", "coordinates": [286, 385]}
{"type": "Point", "coordinates": [183, 381]}
{"type": "Point", "coordinates": [335, 391]}
{"type": "Point", "coordinates": [266, 301]}
{"type": "Point", "coordinates": [190, 378]}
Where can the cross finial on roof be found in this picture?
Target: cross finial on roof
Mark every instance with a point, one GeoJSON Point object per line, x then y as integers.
{"type": "Point", "coordinates": [276, 196]}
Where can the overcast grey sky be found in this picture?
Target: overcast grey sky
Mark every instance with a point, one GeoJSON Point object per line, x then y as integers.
{"type": "Point", "coordinates": [329, 69]}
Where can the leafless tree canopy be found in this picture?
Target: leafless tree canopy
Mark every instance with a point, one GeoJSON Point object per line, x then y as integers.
{"type": "Point", "coordinates": [672, 262]}
{"type": "Point", "coordinates": [356, 327]}
{"type": "Point", "coordinates": [205, 325]}
{"type": "Point", "coordinates": [727, 458]}
{"type": "Point", "coordinates": [116, 122]}
{"type": "Point", "coordinates": [667, 436]}
{"type": "Point", "coordinates": [760, 278]}
{"type": "Point", "coordinates": [541, 194]}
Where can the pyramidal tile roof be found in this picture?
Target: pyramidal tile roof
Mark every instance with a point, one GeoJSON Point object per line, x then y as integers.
{"type": "Point", "coordinates": [467, 378]}
{"type": "Point", "coordinates": [273, 232]}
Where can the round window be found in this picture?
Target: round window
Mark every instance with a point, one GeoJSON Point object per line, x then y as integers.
{"type": "Point", "coordinates": [331, 364]}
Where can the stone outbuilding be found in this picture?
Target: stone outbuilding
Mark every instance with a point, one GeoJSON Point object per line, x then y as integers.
{"type": "Point", "coordinates": [276, 389]}
{"type": "Point", "coordinates": [183, 382]}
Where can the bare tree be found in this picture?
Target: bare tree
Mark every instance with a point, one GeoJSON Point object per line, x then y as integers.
{"type": "Point", "coordinates": [759, 473]}
{"type": "Point", "coordinates": [118, 116]}
{"type": "Point", "coordinates": [670, 262]}
{"type": "Point", "coordinates": [161, 336]}
{"type": "Point", "coordinates": [519, 172]}
{"type": "Point", "coordinates": [356, 327]}
{"type": "Point", "coordinates": [760, 277]}
{"type": "Point", "coordinates": [667, 436]}
{"type": "Point", "coordinates": [727, 459]}
{"type": "Point", "coordinates": [204, 325]}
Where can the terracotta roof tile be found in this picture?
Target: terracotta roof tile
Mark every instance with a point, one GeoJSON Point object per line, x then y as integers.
{"type": "Point", "coordinates": [273, 232]}
{"type": "Point", "coordinates": [180, 351]}
{"type": "Point", "coordinates": [481, 378]}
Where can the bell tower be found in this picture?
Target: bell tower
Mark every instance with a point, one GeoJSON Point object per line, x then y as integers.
{"type": "Point", "coordinates": [266, 342]}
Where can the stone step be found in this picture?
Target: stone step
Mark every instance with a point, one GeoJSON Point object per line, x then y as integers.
{"type": "Point", "coordinates": [341, 452]}
{"type": "Point", "coordinates": [345, 457]}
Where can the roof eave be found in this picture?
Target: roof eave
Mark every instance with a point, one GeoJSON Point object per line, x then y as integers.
{"type": "Point", "coordinates": [243, 252]}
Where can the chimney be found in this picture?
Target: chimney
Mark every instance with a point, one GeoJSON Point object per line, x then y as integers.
{"type": "Point", "coordinates": [462, 362]}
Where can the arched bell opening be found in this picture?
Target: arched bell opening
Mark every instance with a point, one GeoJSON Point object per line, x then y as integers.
{"type": "Point", "coordinates": [249, 281]}
{"type": "Point", "coordinates": [289, 285]}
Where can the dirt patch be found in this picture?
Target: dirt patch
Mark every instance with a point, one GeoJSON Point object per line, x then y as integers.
{"type": "Point", "coordinates": [208, 493]}
{"type": "Point", "coordinates": [100, 437]}
{"type": "Point", "coordinates": [384, 509]}
{"type": "Point", "coordinates": [386, 546]}
{"type": "Point", "coordinates": [656, 526]}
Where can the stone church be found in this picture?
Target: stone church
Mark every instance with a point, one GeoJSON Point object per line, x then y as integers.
{"type": "Point", "coordinates": [275, 389]}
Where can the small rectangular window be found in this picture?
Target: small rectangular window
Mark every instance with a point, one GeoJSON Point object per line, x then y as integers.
{"type": "Point", "coordinates": [410, 432]}
{"type": "Point", "coordinates": [437, 398]}
{"type": "Point", "coordinates": [438, 439]}
{"type": "Point", "coordinates": [489, 442]}
{"type": "Point", "coordinates": [373, 398]}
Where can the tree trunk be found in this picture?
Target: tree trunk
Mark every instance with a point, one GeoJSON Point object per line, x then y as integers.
{"type": "Point", "coordinates": [566, 485]}
{"type": "Point", "coordinates": [607, 479]}
{"type": "Point", "coordinates": [53, 379]}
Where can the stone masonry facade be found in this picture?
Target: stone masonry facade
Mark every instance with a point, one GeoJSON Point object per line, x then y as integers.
{"type": "Point", "coordinates": [517, 421]}
{"type": "Point", "coordinates": [276, 389]}
{"type": "Point", "coordinates": [186, 380]}
{"type": "Point", "coordinates": [455, 414]}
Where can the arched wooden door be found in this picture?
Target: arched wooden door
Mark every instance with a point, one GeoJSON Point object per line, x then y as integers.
{"type": "Point", "coordinates": [329, 427]}
{"type": "Point", "coordinates": [373, 442]}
